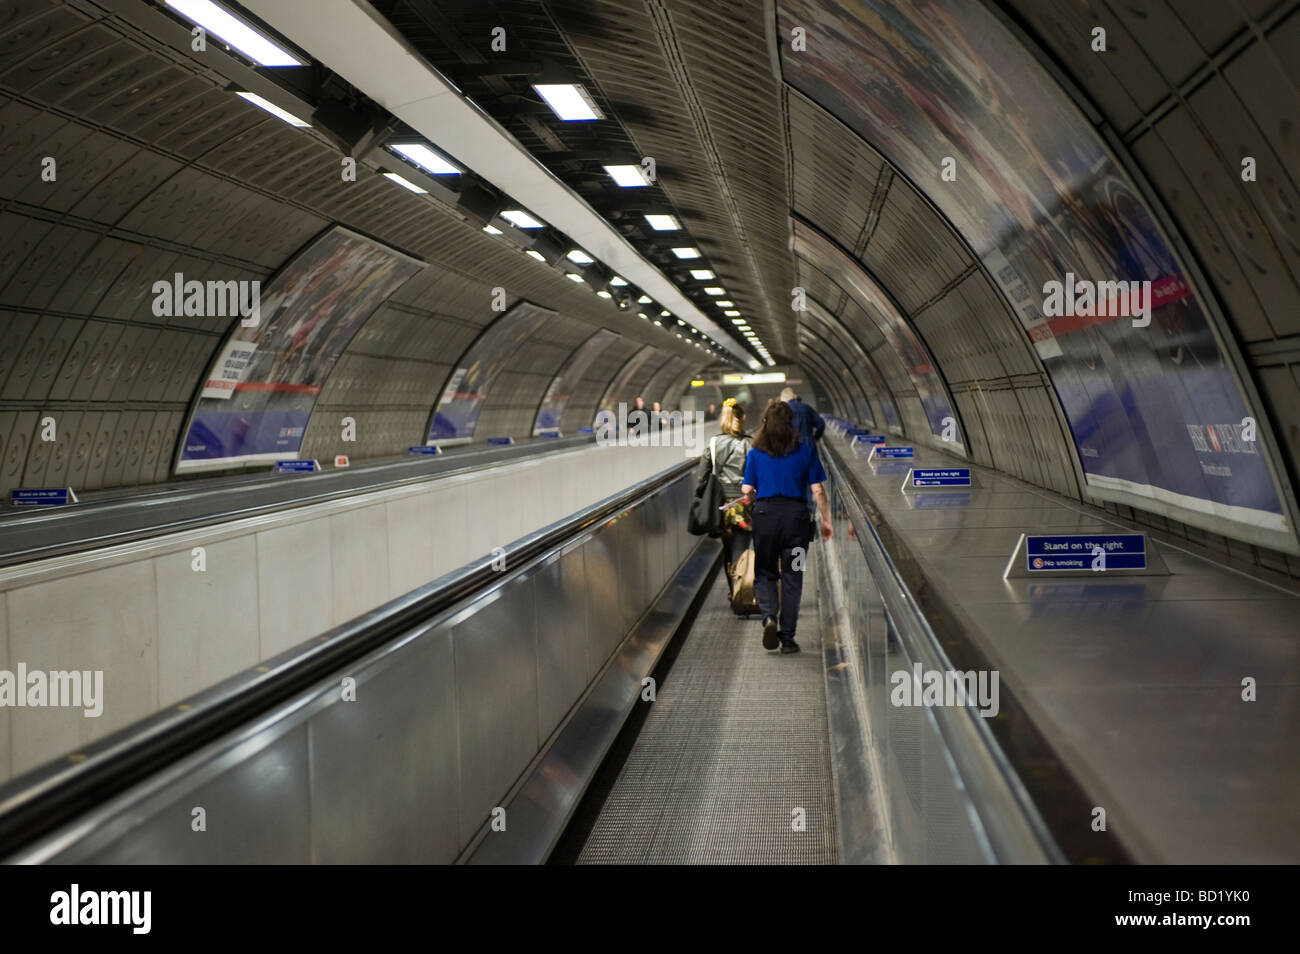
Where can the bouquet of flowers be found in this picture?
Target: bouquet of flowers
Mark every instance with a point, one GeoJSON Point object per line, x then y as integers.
{"type": "Point", "coordinates": [738, 516]}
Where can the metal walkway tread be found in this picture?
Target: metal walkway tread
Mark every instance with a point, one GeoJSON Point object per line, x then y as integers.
{"type": "Point", "coordinates": [733, 747]}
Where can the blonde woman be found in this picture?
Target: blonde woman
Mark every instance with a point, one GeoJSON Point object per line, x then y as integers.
{"type": "Point", "coordinates": [729, 449]}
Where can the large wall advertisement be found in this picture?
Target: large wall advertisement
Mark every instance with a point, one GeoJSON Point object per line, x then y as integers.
{"type": "Point", "coordinates": [456, 417]}
{"type": "Point", "coordinates": [262, 387]}
{"type": "Point", "coordinates": [1158, 416]}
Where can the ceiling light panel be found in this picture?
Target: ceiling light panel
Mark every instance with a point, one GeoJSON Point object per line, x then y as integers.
{"type": "Point", "coordinates": [276, 111]}
{"type": "Point", "coordinates": [227, 27]}
{"type": "Point", "coordinates": [430, 160]}
{"type": "Point", "coordinates": [569, 101]}
{"type": "Point", "coordinates": [628, 177]}
{"type": "Point", "coordinates": [663, 223]}
{"type": "Point", "coordinates": [520, 219]}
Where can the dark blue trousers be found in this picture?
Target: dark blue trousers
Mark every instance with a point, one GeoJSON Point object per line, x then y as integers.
{"type": "Point", "coordinates": [781, 526]}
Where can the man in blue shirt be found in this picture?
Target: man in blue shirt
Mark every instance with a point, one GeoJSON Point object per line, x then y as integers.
{"type": "Point", "coordinates": [807, 422]}
{"type": "Point", "coordinates": [780, 471]}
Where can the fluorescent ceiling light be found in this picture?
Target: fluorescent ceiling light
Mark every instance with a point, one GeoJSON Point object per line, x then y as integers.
{"type": "Point", "coordinates": [715, 290]}
{"type": "Point", "coordinates": [569, 101]}
{"type": "Point", "coordinates": [666, 313]}
{"type": "Point", "coordinates": [604, 294]}
{"type": "Point", "coordinates": [275, 110]}
{"type": "Point", "coordinates": [643, 300]}
{"type": "Point", "coordinates": [659, 323]}
{"type": "Point", "coordinates": [731, 313]}
{"type": "Point", "coordinates": [521, 219]}
{"type": "Point", "coordinates": [663, 223]}
{"type": "Point", "coordinates": [617, 282]}
{"type": "Point", "coordinates": [722, 303]}
{"type": "Point", "coordinates": [491, 230]}
{"type": "Point", "coordinates": [743, 327]}
{"type": "Point", "coordinates": [394, 177]}
{"type": "Point", "coordinates": [224, 25]}
{"type": "Point", "coordinates": [629, 177]}
{"type": "Point", "coordinates": [536, 254]}
{"type": "Point", "coordinates": [644, 315]}
{"type": "Point", "coordinates": [579, 257]}
{"type": "Point", "coordinates": [426, 158]}
{"type": "Point", "coordinates": [686, 252]}
{"type": "Point", "coordinates": [574, 277]}
{"type": "Point", "coordinates": [702, 274]}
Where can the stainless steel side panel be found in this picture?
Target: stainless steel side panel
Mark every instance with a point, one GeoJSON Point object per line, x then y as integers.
{"type": "Point", "coordinates": [405, 763]}
{"type": "Point", "coordinates": [257, 811]}
{"type": "Point", "coordinates": [495, 646]}
{"type": "Point", "coordinates": [604, 612]}
{"type": "Point", "coordinates": [384, 779]}
{"type": "Point", "coordinates": [560, 588]}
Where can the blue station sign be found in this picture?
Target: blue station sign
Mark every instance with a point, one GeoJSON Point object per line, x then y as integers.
{"type": "Point", "coordinates": [941, 477]}
{"type": "Point", "coordinates": [893, 453]}
{"type": "Point", "coordinates": [42, 497]}
{"type": "Point", "coordinates": [1093, 551]}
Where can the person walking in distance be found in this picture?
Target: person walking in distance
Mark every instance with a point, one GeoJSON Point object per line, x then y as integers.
{"type": "Point", "coordinates": [780, 471]}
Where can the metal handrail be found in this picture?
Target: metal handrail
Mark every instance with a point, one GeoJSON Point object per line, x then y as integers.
{"type": "Point", "coordinates": [43, 800]}
{"type": "Point", "coordinates": [1011, 823]}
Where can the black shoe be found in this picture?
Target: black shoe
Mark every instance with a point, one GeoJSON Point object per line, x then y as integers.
{"type": "Point", "coordinates": [790, 647]}
{"type": "Point", "coordinates": [770, 638]}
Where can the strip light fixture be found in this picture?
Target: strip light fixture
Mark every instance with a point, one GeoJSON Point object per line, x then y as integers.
{"type": "Point", "coordinates": [405, 183]}
{"type": "Point", "coordinates": [521, 219]}
{"type": "Point", "coordinates": [276, 111]}
{"type": "Point", "coordinates": [569, 101]}
{"type": "Point", "coordinates": [628, 177]}
{"type": "Point", "coordinates": [228, 28]}
{"type": "Point", "coordinates": [430, 160]}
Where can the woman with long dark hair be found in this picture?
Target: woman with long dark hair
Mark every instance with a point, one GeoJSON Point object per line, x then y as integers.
{"type": "Point", "coordinates": [779, 472]}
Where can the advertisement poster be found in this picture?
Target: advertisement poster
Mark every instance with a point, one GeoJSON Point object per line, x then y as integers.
{"type": "Point", "coordinates": [557, 396]}
{"type": "Point", "coordinates": [1155, 410]}
{"type": "Point", "coordinates": [457, 413]}
{"type": "Point", "coordinates": [260, 391]}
